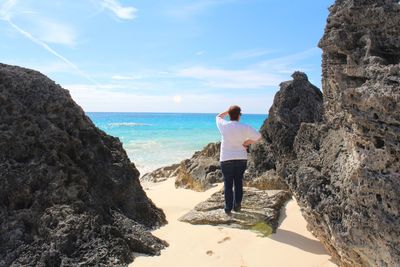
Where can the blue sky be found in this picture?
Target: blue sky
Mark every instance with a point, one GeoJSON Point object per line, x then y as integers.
{"type": "Point", "coordinates": [166, 56]}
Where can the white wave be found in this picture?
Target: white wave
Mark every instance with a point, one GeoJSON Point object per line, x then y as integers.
{"type": "Point", "coordinates": [129, 124]}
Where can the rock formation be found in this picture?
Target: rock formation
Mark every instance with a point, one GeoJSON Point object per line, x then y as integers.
{"type": "Point", "coordinates": [198, 173]}
{"type": "Point", "coordinates": [297, 101]}
{"type": "Point", "coordinates": [161, 174]}
{"type": "Point", "coordinates": [347, 174]}
{"type": "Point", "coordinates": [260, 211]}
{"type": "Point", "coordinates": [68, 193]}
{"type": "Point", "coordinates": [202, 171]}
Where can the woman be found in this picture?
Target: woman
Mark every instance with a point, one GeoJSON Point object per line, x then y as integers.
{"type": "Point", "coordinates": [236, 137]}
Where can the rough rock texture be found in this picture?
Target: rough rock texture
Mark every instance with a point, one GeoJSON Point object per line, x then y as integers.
{"type": "Point", "coordinates": [259, 208]}
{"type": "Point", "coordinates": [198, 173]}
{"type": "Point", "coordinates": [269, 180]}
{"type": "Point", "coordinates": [68, 193]}
{"type": "Point", "coordinates": [296, 102]}
{"type": "Point", "coordinates": [202, 170]}
{"type": "Point", "coordinates": [161, 174]}
{"type": "Point", "coordinates": [347, 174]}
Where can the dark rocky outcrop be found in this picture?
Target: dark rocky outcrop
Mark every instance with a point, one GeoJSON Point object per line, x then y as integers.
{"type": "Point", "coordinates": [260, 211]}
{"type": "Point", "coordinates": [346, 176]}
{"type": "Point", "coordinates": [297, 101]}
{"type": "Point", "coordinates": [68, 193]}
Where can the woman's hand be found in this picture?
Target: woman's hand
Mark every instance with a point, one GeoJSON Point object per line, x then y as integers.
{"type": "Point", "coordinates": [248, 142]}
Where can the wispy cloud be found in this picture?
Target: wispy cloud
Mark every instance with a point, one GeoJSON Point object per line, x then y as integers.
{"type": "Point", "coordinates": [49, 49]}
{"type": "Point", "coordinates": [43, 28]}
{"type": "Point", "coordinates": [92, 98]}
{"type": "Point", "coordinates": [51, 31]}
{"type": "Point", "coordinates": [6, 9]}
{"type": "Point", "coordinates": [6, 14]}
{"type": "Point", "coordinates": [222, 78]}
{"type": "Point", "coordinates": [289, 63]}
{"type": "Point", "coordinates": [191, 9]}
{"type": "Point", "coordinates": [122, 12]}
{"type": "Point", "coordinates": [125, 77]}
{"type": "Point", "coordinates": [253, 53]}
{"type": "Point", "coordinates": [260, 75]}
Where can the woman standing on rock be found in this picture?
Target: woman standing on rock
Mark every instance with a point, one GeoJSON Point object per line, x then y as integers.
{"type": "Point", "coordinates": [236, 137]}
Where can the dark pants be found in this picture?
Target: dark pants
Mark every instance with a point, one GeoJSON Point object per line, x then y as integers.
{"type": "Point", "coordinates": [233, 171]}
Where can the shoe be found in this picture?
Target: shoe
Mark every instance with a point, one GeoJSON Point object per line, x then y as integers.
{"type": "Point", "coordinates": [237, 208]}
{"type": "Point", "coordinates": [228, 212]}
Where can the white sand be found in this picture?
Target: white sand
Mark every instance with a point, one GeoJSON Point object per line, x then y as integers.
{"type": "Point", "coordinates": [203, 245]}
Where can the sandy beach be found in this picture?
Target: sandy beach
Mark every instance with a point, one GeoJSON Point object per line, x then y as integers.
{"type": "Point", "coordinates": [194, 245]}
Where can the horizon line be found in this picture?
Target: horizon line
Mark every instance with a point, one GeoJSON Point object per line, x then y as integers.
{"type": "Point", "coordinates": [168, 112]}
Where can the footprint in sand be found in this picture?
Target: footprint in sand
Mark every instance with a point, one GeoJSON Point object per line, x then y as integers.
{"type": "Point", "coordinates": [224, 240]}
{"type": "Point", "coordinates": [210, 252]}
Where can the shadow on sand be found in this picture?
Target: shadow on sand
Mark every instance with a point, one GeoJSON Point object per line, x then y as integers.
{"type": "Point", "coordinates": [299, 241]}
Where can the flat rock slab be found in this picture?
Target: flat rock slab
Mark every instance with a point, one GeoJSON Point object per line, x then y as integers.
{"type": "Point", "coordinates": [260, 211]}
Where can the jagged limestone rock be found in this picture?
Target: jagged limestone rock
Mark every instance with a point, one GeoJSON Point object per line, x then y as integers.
{"type": "Point", "coordinates": [161, 174]}
{"type": "Point", "coordinates": [202, 170]}
{"type": "Point", "coordinates": [347, 174]}
{"type": "Point", "coordinates": [68, 193]}
{"type": "Point", "coordinates": [298, 101]}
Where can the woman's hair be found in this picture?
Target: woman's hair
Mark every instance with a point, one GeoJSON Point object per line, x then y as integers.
{"type": "Point", "coordinates": [234, 113]}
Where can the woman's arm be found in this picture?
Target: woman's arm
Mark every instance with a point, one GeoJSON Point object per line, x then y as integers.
{"type": "Point", "coordinates": [223, 114]}
{"type": "Point", "coordinates": [249, 142]}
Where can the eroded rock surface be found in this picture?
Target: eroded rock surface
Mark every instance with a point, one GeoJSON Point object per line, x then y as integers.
{"type": "Point", "coordinates": [347, 174]}
{"type": "Point", "coordinates": [260, 208]}
{"type": "Point", "coordinates": [68, 193]}
{"type": "Point", "coordinates": [161, 174]}
{"type": "Point", "coordinates": [201, 172]}
{"type": "Point", "coordinates": [298, 101]}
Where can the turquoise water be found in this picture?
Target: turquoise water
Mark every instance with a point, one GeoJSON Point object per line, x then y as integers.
{"type": "Point", "coordinates": [153, 140]}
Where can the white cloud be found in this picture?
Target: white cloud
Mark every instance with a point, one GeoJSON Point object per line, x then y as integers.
{"type": "Point", "coordinates": [92, 98]}
{"type": "Point", "coordinates": [260, 75]}
{"type": "Point", "coordinates": [192, 9]}
{"type": "Point", "coordinates": [50, 50]}
{"type": "Point", "coordinates": [42, 28]}
{"type": "Point", "coordinates": [287, 64]}
{"type": "Point", "coordinates": [199, 53]}
{"type": "Point", "coordinates": [51, 31]}
{"type": "Point", "coordinates": [240, 79]}
{"type": "Point", "coordinates": [6, 9]}
{"type": "Point", "coordinates": [120, 11]}
{"type": "Point", "coordinates": [250, 54]}
{"type": "Point", "coordinates": [46, 67]}
{"type": "Point", "coordinates": [125, 77]}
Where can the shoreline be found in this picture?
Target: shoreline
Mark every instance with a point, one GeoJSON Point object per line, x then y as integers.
{"type": "Point", "coordinates": [205, 245]}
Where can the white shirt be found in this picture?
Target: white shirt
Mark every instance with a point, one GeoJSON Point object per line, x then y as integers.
{"type": "Point", "coordinates": [234, 134]}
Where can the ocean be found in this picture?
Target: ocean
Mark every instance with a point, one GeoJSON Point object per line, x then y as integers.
{"type": "Point", "coordinates": [153, 140]}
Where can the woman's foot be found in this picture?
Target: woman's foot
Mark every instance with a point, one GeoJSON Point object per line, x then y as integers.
{"type": "Point", "coordinates": [228, 212]}
{"type": "Point", "coordinates": [237, 207]}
